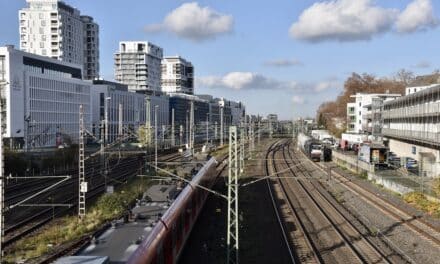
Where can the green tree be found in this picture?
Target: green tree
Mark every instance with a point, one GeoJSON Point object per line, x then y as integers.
{"type": "Point", "coordinates": [144, 135]}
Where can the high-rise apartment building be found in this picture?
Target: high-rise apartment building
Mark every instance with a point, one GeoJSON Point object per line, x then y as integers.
{"type": "Point", "coordinates": [138, 65]}
{"type": "Point", "coordinates": [91, 48]}
{"type": "Point", "coordinates": [177, 75]}
{"type": "Point", "coordinates": [54, 29]}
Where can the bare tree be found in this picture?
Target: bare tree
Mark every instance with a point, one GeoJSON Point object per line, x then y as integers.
{"type": "Point", "coordinates": [404, 76]}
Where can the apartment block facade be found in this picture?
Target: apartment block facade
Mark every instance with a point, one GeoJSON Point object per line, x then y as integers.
{"type": "Point", "coordinates": [138, 65]}
{"type": "Point", "coordinates": [359, 119]}
{"type": "Point", "coordinates": [412, 123]}
{"type": "Point", "coordinates": [177, 75]}
{"type": "Point", "coordinates": [54, 29]}
{"type": "Point", "coordinates": [91, 48]}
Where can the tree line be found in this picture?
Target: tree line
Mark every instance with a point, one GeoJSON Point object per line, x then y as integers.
{"type": "Point", "coordinates": [333, 114]}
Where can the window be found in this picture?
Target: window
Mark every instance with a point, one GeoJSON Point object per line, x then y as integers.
{"type": "Point", "coordinates": [414, 150]}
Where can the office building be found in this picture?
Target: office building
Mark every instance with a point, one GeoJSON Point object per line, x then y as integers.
{"type": "Point", "coordinates": [42, 99]}
{"type": "Point", "coordinates": [138, 65]}
{"type": "Point", "coordinates": [177, 75]}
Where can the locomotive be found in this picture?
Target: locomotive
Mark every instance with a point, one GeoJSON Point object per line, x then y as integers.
{"type": "Point", "coordinates": [311, 147]}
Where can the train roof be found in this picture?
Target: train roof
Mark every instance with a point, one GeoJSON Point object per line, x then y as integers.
{"type": "Point", "coordinates": [82, 260]}
{"type": "Point", "coordinates": [122, 239]}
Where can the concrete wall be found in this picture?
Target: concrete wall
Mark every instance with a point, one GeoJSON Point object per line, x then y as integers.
{"type": "Point", "coordinates": [352, 163]}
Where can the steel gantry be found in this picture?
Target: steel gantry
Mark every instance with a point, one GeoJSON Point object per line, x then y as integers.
{"type": "Point", "coordinates": [232, 232]}
{"type": "Point", "coordinates": [81, 176]}
{"type": "Point", "coordinates": [241, 152]}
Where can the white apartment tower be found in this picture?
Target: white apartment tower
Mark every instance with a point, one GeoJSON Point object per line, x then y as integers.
{"type": "Point", "coordinates": [91, 48]}
{"type": "Point", "coordinates": [54, 29]}
{"type": "Point", "coordinates": [138, 65]}
{"type": "Point", "coordinates": [177, 75]}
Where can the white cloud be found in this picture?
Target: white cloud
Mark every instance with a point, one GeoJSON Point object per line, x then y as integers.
{"type": "Point", "coordinates": [351, 20]}
{"type": "Point", "coordinates": [298, 99]}
{"type": "Point", "coordinates": [423, 65]}
{"type": "Point", "coordinates": [244, 81]}
{"type": "Point", "coordinates": [418, 15]}
{"type": "Point", "coordinates": [256, 81]}
{"type": "Point", "coordinates": [284, 63]}
{"type": "Point", "coordinates": [193, 22]}
{"type": "Point", "coordinates": [327, 84]}
{"type": "Point", "coordinates": [342, 20]}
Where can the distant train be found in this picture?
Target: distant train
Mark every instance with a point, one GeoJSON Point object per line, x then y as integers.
{"type": "Point", "coordinates": [311, 147]}
{"type": "Point", "coordinates": [167, 239]}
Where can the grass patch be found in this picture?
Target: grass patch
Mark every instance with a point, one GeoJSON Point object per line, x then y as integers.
{"type": "Point", "coordinates": [220, 151]}
{"type": "Point", "coordinates": [70, 228]}
{"type": "Point", "coordinates": [420, 201]}
{"type": "Point", "coordinates": [436, 187]}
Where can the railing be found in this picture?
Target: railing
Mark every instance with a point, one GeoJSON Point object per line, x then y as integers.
{"type": "Point", "coordinates": [422, 136]}
{"type": "Point", "coordinates": [413, 111]}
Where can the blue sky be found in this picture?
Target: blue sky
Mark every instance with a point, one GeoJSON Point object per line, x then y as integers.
{"type": "Point", "coordinates": [283, 57]}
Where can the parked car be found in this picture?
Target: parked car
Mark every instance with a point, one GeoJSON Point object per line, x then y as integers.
{"type": "Point", "coordinates": [411, 163]}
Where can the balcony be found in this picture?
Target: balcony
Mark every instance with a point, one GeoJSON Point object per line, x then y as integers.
{"type": "Point", "coordinates": [413, 111]}
{"type": "Point", "coordinates": [420, 136]}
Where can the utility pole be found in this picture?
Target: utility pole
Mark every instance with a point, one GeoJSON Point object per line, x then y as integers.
{"type": "Point", "coordinates": [163, 136]}
{"type": "Point", "coordinates": [221, 126]}
{"type": "Point", "coordinates": [215, 131]}
{"type": "Point", "coordinates": [180, 134]}
{"type": "Point", "coordinates": [191, 128]}
{"type": "Point", "coordinates": [82, 184]}
{"type": "Point", "coordinates": [120, 121]}
{"type": "Point", "coordinates": [147, 120]}
{"type": "Point", "coordinates": [242, 139]}
{"type": "Point", "coordinates": [2, 200]}
{"type": "Point", "coordinates": [270, 127]}
{"type": "Point", "coordinates": [156, 107]}
{"type": "Point", "coordinates": [187, 129]}
{"type": "Point", "coordinates": [259, 131]}
{"type": "Point", "coordinates": [106, 119]}
{"type": "Point", "coordinates": [232, 232]}
{"type": "Point", "coordinates": [207, 129]}
{"type": "Point", "coordinates": [173, 139]}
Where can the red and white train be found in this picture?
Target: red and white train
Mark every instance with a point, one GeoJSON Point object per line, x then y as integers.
{"type": "Point", "coordinates": [168, 237]}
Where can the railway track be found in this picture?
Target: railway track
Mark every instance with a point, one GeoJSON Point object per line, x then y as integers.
{"type": "Point", "coordinates": [76, 245]}
{"type": "Point", "coordinates": [417, 225]}
{"type": "Point", "coordinates": [35, 221]}
{"type": "Point", "coordinates": [331, 236]}
{"type": "Point", "coordinates": [298, 239]}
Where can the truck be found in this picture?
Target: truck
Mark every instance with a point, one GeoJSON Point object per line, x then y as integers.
{"type": "Point", "coordinates": [373, 154]}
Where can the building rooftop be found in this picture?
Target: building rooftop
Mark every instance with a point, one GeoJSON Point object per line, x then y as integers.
{"type": "Point", "coordinates": [425, 80]}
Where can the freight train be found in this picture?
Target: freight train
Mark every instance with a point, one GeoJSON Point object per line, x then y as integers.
{"type": "Point", "coordinates": [167, 239]}
{"type": "Point", "coordinates": [311, 147]}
